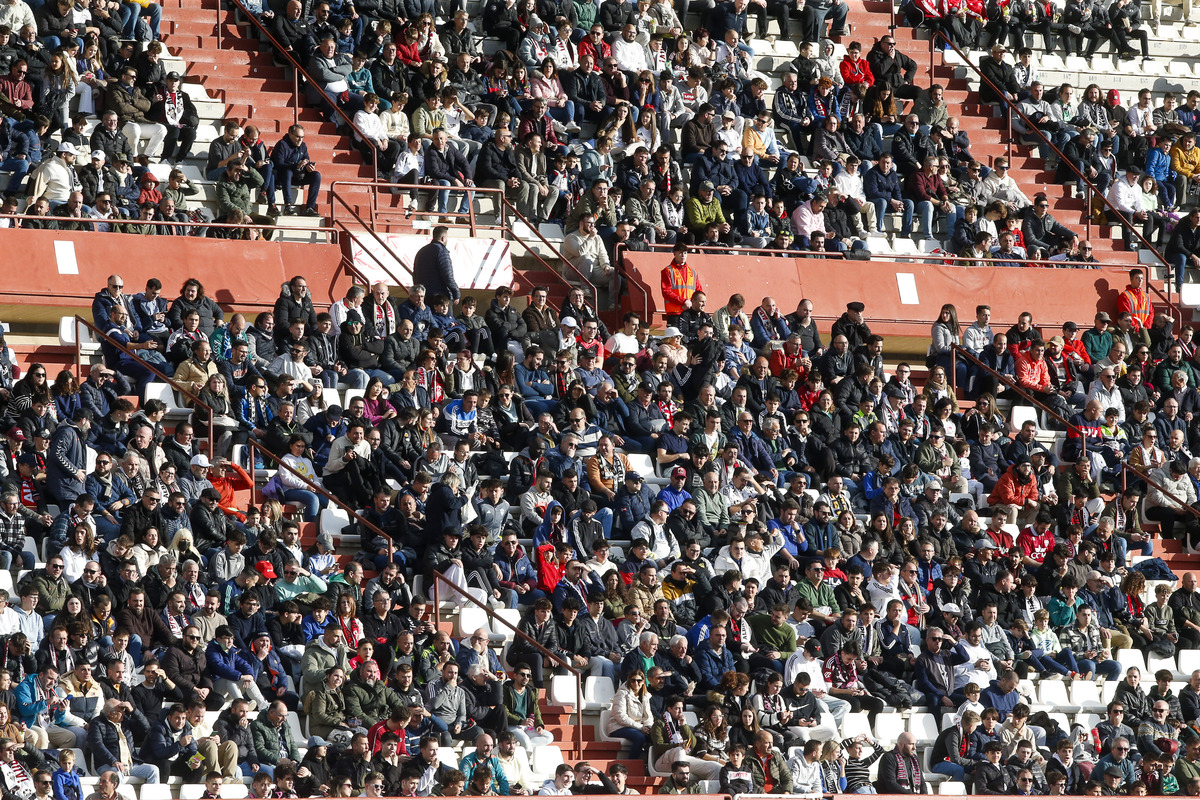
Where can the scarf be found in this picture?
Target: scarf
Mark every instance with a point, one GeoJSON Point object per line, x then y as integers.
{"type": "Point", "coordinates": [767, 323]}
{"type": "Point", "coordinates": [908, 769]}
{"type": "Point", "coordinates": [385, 319]}
{"type": "Point", "coordinates": [613, 471]}
{"type": "Point", "coordinates": [671, 730]}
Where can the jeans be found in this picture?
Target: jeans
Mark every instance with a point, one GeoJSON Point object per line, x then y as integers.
{"type": "Point", "coordinates": [312, 502]}
{"type": "Point", "coordinates": [292, 177]}
{"type": "Point", "coordinates": [444, 198]}
{"type": "Point", "coordinates": [19, 167]}
{"type": "Point", "coordinates": [1110, 669]}
{"type": "Point", "coordinates": [1044, 663]}
{"type": "Point", "coordinates": [132, 12]}
{"type": "Point", "coordinates": [636, 739]}
{"type": "Point", "coordinates": [29, 559]}
{"type": "Point", "coordinates": [948, 768]}
{"type": "Point", "coordinates": [881, 208]}
{"type": "Point", "coordinates": [926, 209]}
{"type": "Point", "coordinates": [1179, 265]}
{"type": "Point", "coordinates": [147, 772]}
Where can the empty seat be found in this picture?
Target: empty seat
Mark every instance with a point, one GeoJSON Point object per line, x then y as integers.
{"type": "Point", "coordinates": [1086, 696]}
{"type": "Point", "coordinates": [888, 727]}
{"type": "Point", "coordinates": [854, 724]}
{"type": "Point", "coordinates": [333, 520]}
{"type": "Point", "coordinates": [562, 690]}
{"type": "Point", "coordinates": [924, 727]}
{"type": "Point", "coordinates": [1131, 658]}
{"type": "Point", "coordinates": [470, 619]}
{"type": "Point", "coordinates": [597, 693]}
{"type": "Point", "coordinates": [1023, 414]}
{"type": "Point", "coordinates": [546, 759]}
{"type": "Point", "coordinates": [1054, 694]}
{"type": "Point", "coordinates": [1155, 663]}
{"type": "Point", "coordinates": [1189, 662]}
{"type": "Point", "coordinates": [234, 791]}
{"type": "Point", "coordinates": [952, 787]}
{"type": "Point", "coordinates": [448, 756]}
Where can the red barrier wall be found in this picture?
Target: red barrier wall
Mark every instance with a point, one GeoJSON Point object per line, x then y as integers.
{"type": "Point", "coordinates": [246, 274]}
{"type": "Point", "coordinates": [1051, 295]}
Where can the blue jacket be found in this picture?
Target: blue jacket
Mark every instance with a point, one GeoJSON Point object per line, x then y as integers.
{"type": "Point", "coordinates": [289, 155]}
{"type": "Point", "coordinates": [120, 490]}
{"type": "Point", "coordinates": [752, 178]}
{"type": "Point", "coordinates": [720, 171]}
{"type": "Point", "coordinates": [518, 570]}
{"type": "Point", "coordinates": [712, 666]}
{"type": "Point", "coordinates": [228, 665]}
{"type": "Point", "coordinates": [162, 745]}
{"type": "Point", "coordinates": [877, 185]}
{"type": "Point", "coordinates": [993, 697]}
{"type": "Point", "coordinates": [1158, 165]}
{"type": "Point", "coordinates": [761, 334]}
{"type": "Point", "coordinates": [31, 702]}
{"type": "Point", "coordinates": [144, 311]}
{"type": "Point", "coordinates": [67, 456]}
{"type": "Point", "coordinates": [630, 508]}
{"type": "Point", "coordinates": [102, 305]}
{"type": "Point", "coordinates": [434, 269]}
{"type": "Point", "coordinates": [789, 537]}
{"type": "Point", "coordinates": [753, 451]}
{"type": "Point", "coordinates": [24, 141]}
{"type": "Point", "coordinates": [533, 383]}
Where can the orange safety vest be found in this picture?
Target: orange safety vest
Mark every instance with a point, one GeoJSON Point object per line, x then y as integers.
{"type": "Point", "coordinates": [678, 284]}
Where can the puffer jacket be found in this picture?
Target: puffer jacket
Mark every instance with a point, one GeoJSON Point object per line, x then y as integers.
{"type": "Point", "coordinates": [629, 711]}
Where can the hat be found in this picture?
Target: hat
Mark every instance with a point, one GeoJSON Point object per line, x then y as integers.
{"type": "Point", "coordinates": [120, 158]}
{"type": "Point", "coordinates": [99, 154]}
{"type": "Point", "coordinates": [266, 569]}
{"type": "Point", "coordinates": [317, 741]}
{"type": "Point", "coordinates": [679, 472]}
{"type": "Point", "coordinates": [951, 608]}
{"type": "Point", "coordinates": [259, 635]}
{"type": "Point", "coordinates": [568, 322]}
{"type": "Point", "coordinates": [325, 540]}
{"type": "Point", "coordinates": [1114, 770]}
{"type": "Point", "coordinates": [934, 484]}
{"type": "Point", "coordinates": [672, 332]}
{"type": "Point", "coordinates": [633, 476]}
{"type": "Point", "coordinates": [16, 433]}
{"type": "Point", "coordinates": [1133, 168]}
{"type": "Point", "coordinates": [728, 114]}
{"type": "Point", "coordinates": [535, 21]}
{"type": "Point", "coordinates": [856, 307]}
{"type": "Point", "coordinates": [333, 412]}
{"type": "Point", "coordinates": [353, 318]}
{"type": "Point", "coordinates": [172, 76]}
{"type": "Point", "coordinates": [985, 544]}
{"type": "Point", "coordinates": [201, 460]}
{"type": "Point", "coordinates": [707, 186]}
{"type": "Point", "coordinates": [42, 433]}
{"type": "Point", "coordinates": [1058, 340]}
{"type": "Point", "coordinates": [28, 459]}
{"type": "Point", "coordinates": [893, 390]}
{"type": "Point", "coordinates": [1103, 317]}
{"type": "Point", "coordinates": [1070, 326]}
{"type": "Point", "coordinates": [1023, 459]}
{"type": "Point", "coordinates": [67, 147]}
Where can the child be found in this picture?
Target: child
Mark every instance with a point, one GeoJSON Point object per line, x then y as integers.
{"type": "Point", "coordinates": [315, 623]}
{"type": "Point", "coordinates": [322, 560]}
{"type": "Point", "coordinates": [345, 38]}
{"type": "Point", "coordinates": [478, 130]}
{"type": "Point", "coordinates": [735, 777]}
{"type": "Point", "coordinates": [363, 653]}
{"type": "Point", "coordinates": [212, 786]}
{"type": "Point", "coordinates": [103, 623]}
{"type": "Point", "coordinates": [971, 692]}
{"type": "Point", "coordinates": [66, 779]}
{"type": "Point", "coordinates": [410, 170]}
{"type": "Point", "coordinates": [962, 449]}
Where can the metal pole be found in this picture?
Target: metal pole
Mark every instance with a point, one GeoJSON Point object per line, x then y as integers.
{"type": "Point", "coordinates": [295, 97]}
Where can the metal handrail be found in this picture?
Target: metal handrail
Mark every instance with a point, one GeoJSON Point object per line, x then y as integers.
{"type": "Point", "coordinates": [297, 71]}
{"type": "Point", "coordinates": [923, 257]}
{"type": "Point", "coordinates": [1032, 128]}
{"type": "Point", "coordinates": [369, 229]}
{"type": "Point", "coordinates": [1144, 476]}
{"type": "Point", "coordinates": [374, 186]}
{"type": "Point", "coordinates": [174, 224]}
{"type": "Point", "coordinates": [133, 354]}
{"type": "Point", "coordinates": [439, 578]}
{"type": "Point", "coordinates": [958, 350]}
{"type": "Point", "coordinates": [583, 279]}
{"type": "Point", "coordinates": [253, 446]}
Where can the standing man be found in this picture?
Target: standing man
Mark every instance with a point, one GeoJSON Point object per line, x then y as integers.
{"type": "Point", "coordinates": [66, 461]}
{"type": "Point", "coordinates": [679, 283]}
{"type": "Point", "coordinates": [434, 269]}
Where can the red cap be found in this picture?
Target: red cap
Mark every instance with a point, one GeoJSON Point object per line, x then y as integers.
{"type": "Point", "coordinates": [266, 569]}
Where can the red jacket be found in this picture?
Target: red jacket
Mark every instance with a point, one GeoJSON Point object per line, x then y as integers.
{"type": "Point", "coordinates": [921, 186]}
{"type": "Point", "coordinates": [856, 71]}
{"type": "Point", "coordinates": [1010, 491]}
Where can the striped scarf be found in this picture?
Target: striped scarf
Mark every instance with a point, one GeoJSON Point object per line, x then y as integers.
{"type": "Point", "coordinates": [908, 769]}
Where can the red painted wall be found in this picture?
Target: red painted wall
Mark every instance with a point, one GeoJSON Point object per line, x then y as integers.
{"type": "Point", "coordinates": [245, 274]}
{"type": "Point", "coordinates": [1051, 295]}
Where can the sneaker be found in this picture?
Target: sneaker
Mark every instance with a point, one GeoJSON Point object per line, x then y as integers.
{"type": "Point", "coordinates": [1075, 29]}
{"type": "Point", "coordinates": [308, 211]}
{"type": "Point", "coordinates": [572, 127]}
{"type": "Point", "coordinates": [272, 211]}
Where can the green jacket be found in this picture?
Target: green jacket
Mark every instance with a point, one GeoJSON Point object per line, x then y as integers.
{"type": "Point", "coordinates": [266, 740]}
{"type": "Point", "coordinates": [317, 659]}
{"type": "Point", "coordinates": [781, 776]}
{"type": "Point", "coordinates": [238, 194]}
{"type": "Point", "coordinates": [326, 710]}
{"type": "Point", "coordinates": [821, 595]}
{"type": "Point", "coordinates": [369, 703]}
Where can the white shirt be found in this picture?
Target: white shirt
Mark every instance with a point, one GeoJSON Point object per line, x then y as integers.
{"type": "Point", "coordinates": [967, 672]}
{"type": "Point", "coordinates": [630, 56]}
{"type": "Point", "coordinates": [622, 344]}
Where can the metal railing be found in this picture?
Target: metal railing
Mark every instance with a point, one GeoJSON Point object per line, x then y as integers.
{"type": "Point", "coordinates": [297, 71]}
{"type": "Point", "coordinates": [253, 446]}
{"type": "Point", "coordinates": [162, 223]}
{"type": "Point", "coordinates": [1032, 129]}
{"type": "Point", "coordinates": [507, 214]}
{"type": "Point", "coordinates": [99, 334]}
{"type": "Point", "coordinates": [439, 578]}
{"type": "Point", "coordinates": [957, 351]}
{"type": "Point", "coordinates": [1126, 468]}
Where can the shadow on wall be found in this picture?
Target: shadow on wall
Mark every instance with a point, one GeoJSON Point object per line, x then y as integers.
{"type": "Point", "coordinates": [1106, 297]}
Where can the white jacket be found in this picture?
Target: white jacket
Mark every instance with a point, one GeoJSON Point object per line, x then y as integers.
{"type": "Point", "coordinates": [1126, 196]}
{"type": "Point", "coordinates": [1179, 490]}
{"type": "Point", "coordinates": [629, 711]}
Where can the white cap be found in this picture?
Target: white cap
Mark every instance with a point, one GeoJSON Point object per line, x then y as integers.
{"type": "Point", "coordinates": [99, 154]}
{"type": "Point", "coordinates": [201, 461]}
{"type": "Point", "coordinates": [568, 322]}
{"type": "Point", "coordinates": [672, 331]}
{"type": "Point", "coordinates": [67, 147]}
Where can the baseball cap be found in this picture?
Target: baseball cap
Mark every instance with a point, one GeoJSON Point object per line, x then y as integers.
{"type": "Point", "coordinates": [266, 569]}
{"type": "Point", "coordinates": [679, 472]}
{"type": "Point", "coordinates": [99, 154]}
{"type": "Point", "coordinates": [952, 608]}
{"type": "Point", "coordinates": [201, 460]}
{"type": "Point", "coordinates": [985, 544]}
{"type": "Point", "coordinates": [568, 322]}
{"type": "Point", "coordinates": [67, 147]}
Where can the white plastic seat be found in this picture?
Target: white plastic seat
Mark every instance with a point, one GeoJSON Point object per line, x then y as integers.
{"type": "Point", "coordinates": [1023, 414]}
{"type": "Point", "coordinates": [888, 727]}
{"type": "Point", "coordinates": [333, 520]}
{"type": "Point", "coordinates": [1155, 663]}
{"type": "Point", "coordinates": [597, 693]}
{"type": "Point", "coordinates": [854, 724]}
{"type": "Point", "coordinates": [924, 727]}
{"type": "Point", "coordinates": [1132, 658]}
{"type": "Point", "coordinates": [1087, 720]}
{"type": "Point", "coordinates": [1054, 694]}
{"type": "Point", "coordinates": [449, 756]}
{"type": "Point", "coordinates": [128, 791]}
{"type": "Point", "coordinates": [353, 393]}
{"type": "Point", "coordinates": [1063, 721]}
{"type": "Point", "coordinates": [234, 791]}
{"type": "Point", "coordinates": [952, 787]}
{"type": "Point", "coordinates": [546, 759]}
{"type": "Point", "coordinates": [332, 397]}
{"type": "Point", "coordinates": [470, 619]}
{"type": "Point", "coordinates": [1085, 695]}
{"type": "Point", "coordinates": [562, 690]}
{"type": "Point", "coordinates": [293, 722]}
{"type": "Point", "coordinates": [190, 791]}
{"type": "Point", "coordinates": [499, 629]}
{"type": "Point", "coordinates": [1189, 662]}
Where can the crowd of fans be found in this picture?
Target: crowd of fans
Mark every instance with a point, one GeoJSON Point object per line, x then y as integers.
{"type": "Point", "coordinates": [831, 539]}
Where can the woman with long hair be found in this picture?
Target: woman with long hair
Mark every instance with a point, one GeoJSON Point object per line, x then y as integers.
{"type": "Point", "coordinates": [946, 334]}
{"type": "Point", "coordinates": [65, 392]}
{"type": "Point", "coordinates": [712, 735]}
{"type": "Point", "coordinates": [745, 729]}
{"type": "Point", "coordinates": [1132, 617]}
{"type": "Point", "coordinates": [33, 383]}
{"type": "Point", "coordinates": [60, 85]}
{"type": "Point", "coordinates": [376, 407]}
{"type": "Point", "coordinates": [547, 85]}
{"type": "Point", "coordinates": [347, 619]}
{"type": "Point", "coordinates": [630, 717]}
{"type": "Point", "coordinates": [80, 549]}
{"type": "Point", "coordinates": [148, 550]}
{"type": "Point", "coordinates": [295, 489]}
{"type": "Point", "coordinates": [825, 419]}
